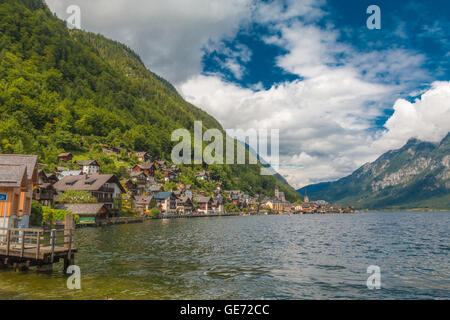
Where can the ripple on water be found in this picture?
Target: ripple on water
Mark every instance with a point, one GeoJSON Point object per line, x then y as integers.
{"type": "Point", "coordinates": [268, 257]}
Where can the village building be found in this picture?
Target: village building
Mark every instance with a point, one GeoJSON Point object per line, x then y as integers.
{"type": "Point", "coordinates": [89, 166]}
{"type": "Point", "coordinates": [279, 195]}
{"type": "Point", "coordinates": [148, 168]}
{"type": "Point", "coordinates": [218, 204]}
{"type": "Point", "coordinates": [184, 205]}
{"type": "Point", "coordinates": [61, 169]}
{"type": "Point", "coordinates": [68, 173]}
{"type": "Point", "coordinates": [166, 202]}
{"type": "Point", "coordinates": [143, 156]}
{"type": "Point", "coordinates": [306, 198]}
{"type": "Point", "coordinates": [202, 175]}
{"type": "Point", "coordinates": [188, 191]}
{"type": "Point", "coordinates": [65, 157]}
{"type": "Point", "coordinates": [204, 204]}
{"type": "Point", "coordinates": [154, 189]}
{"type": "Point", "coordinates": [143, 203]}
{"type": "Point", "coordinates": [160, 164]}
{"type": "Point", "coordinates": [139, 178]}
{"type": "Point", "coordinates": [45, 194]}
{"type": "Point", "coordinates": [87, 211]}
{"type": "Point", "coordinates": [18, 177]}
{"type": "Point", "coordinates": [131, 187]}
{"type": "Point", "coordinates": [105, 187]}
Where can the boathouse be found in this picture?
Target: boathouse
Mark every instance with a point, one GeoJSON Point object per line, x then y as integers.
{"type": "Point", "coordinates": [18, 177]}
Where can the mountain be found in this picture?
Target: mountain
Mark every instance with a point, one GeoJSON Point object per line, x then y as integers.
{"type": "Point", "coordinates": [70, 90]}
{"type": "Point", "coordinates": [415, 176]}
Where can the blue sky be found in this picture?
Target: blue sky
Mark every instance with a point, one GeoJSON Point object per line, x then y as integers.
{"type": "Point", "coordinates": [339, 93]}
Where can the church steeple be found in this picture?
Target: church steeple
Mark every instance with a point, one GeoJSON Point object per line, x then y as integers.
{"type": "Point", "coordinates": [306, 198]}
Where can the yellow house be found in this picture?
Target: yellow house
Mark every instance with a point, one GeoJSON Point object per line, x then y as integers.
{"type": "Point", "coordinates": [18, 177]}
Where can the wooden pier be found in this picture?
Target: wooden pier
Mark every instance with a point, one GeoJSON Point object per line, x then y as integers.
{"type": "Point", "coordinates": [23, 248]}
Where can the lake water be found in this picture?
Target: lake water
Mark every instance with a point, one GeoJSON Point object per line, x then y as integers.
{"type": "Point", "coordinates": [262, 257]}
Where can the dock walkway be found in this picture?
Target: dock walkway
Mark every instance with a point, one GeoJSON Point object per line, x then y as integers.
{"type": "Point", "coordinates": [23, 248]}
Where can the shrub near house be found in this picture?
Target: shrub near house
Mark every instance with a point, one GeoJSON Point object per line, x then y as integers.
{"type": "Point", "coordinates": [50, 216]}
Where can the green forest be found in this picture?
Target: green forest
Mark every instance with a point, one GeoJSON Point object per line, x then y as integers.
{"type": "Point", "coordinates": [67, 90]}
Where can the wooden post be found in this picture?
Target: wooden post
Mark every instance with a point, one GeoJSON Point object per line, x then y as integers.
{"type": "Point", "coordinates": [69, 230]}
{"type": "Point", "coordinates": [8, 241]}
{"type": "Point", "coordinates": [23, 244]}
{"type": "Point", "coordinates": [69, 227]}
{"type": "Point", "coordinates": [38, 244]}
{"type": "Point", "coordinates": [53, 241]}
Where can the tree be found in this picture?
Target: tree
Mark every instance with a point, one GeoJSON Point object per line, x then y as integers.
{"type": "Point", "coordinates": [36, 214]}
{"type": "Point", "coordinates": [76, 196]}
{"type": "Point", "coordinates": [154, 213]}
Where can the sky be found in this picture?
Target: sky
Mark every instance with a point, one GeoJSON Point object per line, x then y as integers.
{"type": "Point", "coordinates": [341, 94]}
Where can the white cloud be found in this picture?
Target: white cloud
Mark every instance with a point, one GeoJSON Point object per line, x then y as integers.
{"type": "Point", "coordinates": [427, 118]}
{"type": "Point", "coordinates": [169, 35]}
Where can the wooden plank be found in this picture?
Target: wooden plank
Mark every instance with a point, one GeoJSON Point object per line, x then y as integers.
{"type": "Point", "coordinates": [69, 254]}
{"type": "Point", "coordinates": [23, 244]}
{"type": "Point", "coordinates": [8, 241]}
{"type": "Point", "coordinates": [38, 244]}
{"type": "Point", "coordinates": [53, 234]}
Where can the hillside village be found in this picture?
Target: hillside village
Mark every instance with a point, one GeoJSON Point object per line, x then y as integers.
{"type": "Point", "coordinates": [151, 188]}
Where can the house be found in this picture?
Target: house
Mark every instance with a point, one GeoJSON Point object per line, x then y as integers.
{"type": "Point", "coordinates": [52, 178]}
{"type": "Point", "coordinates": [188, 191]}
{"type": "Point", "coordinates": [143, 203]}
{"type": "Point", "coordinates": [154, 189]}
{"type": "Point", "coordinates": [89, 166]}
{"type": "Point", "coordinates": [143, 156]}
{"type": "Point", "coordinates": [170, 175]}
{"type": "Point", "coordinates": [131, 186]}
{"type": "Point", "coordinates": [204, 204]}
{"type": "Point", "coordinates": [138, 177]}
{"type": "Point", "coordinates": [86, 211]}
{"type": "Point", "coordinates": [45, 194]}
{"type": "Point", "coordinates": [184, 205]}
{"type": "Point", "coordinates": [267, 203]}
{"type": "Point", "coordinates": [309, 207]}
{"type": "Point", "coordinates": [166, 202]}
{"type": "Point", "coordinates": [105, 187]}
{"type": "Point", "coordinates": [160, 164]}
{"type": "Point", "coordinates": [65, 157]}
{"type": "Point", "coordinates": [61, 169]}
{"type": "Point", "coordinates": [148, 168]}
{"type": "Point", "coordinates": [202, 175]}
{"type": "Point", "coordinates": [67, 173]}
{"type": "Point", "coordinates": [217, 205]}
{"type": "Point", "coordinates": [18, 177]}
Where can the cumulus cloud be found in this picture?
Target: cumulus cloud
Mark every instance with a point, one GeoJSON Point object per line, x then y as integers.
{"type": "Point", "coordinates": [169, 35]}
{"type": "Point", "coordinates": [427, 118]}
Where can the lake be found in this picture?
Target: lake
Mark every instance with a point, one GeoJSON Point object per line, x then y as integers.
{"type": "Point", "coordinates": [258, 257]}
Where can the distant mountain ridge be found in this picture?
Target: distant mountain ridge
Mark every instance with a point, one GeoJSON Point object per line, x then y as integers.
{"type": "Point", "coordinates": [414, 176]}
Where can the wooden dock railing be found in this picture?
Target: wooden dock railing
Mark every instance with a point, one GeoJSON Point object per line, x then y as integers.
{"type": "Point", "coordinates": [26, 242]}
{"type": "Point", "coordinates": [37, 246]}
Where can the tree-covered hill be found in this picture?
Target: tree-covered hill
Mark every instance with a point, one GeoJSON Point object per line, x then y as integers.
{"type": "Point", "coordinates": [414, 176]}
{"type": "Point", "coordinates": [63, 90]}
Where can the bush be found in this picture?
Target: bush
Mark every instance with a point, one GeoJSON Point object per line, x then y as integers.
{"type": "Point", "coordinates": [75, 196]}
{"type": "Point", "coordinates": [154, 213]}
{"type": "Point", "coordinates": [36, 214]}
{"type": "Point", "coordinates": [52, 215]}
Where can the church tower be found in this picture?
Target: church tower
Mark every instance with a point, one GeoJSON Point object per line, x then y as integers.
{"type": "Point", "coordinates": [306, 198]}
{"type": "Point", "coordinates": [277, 193]}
